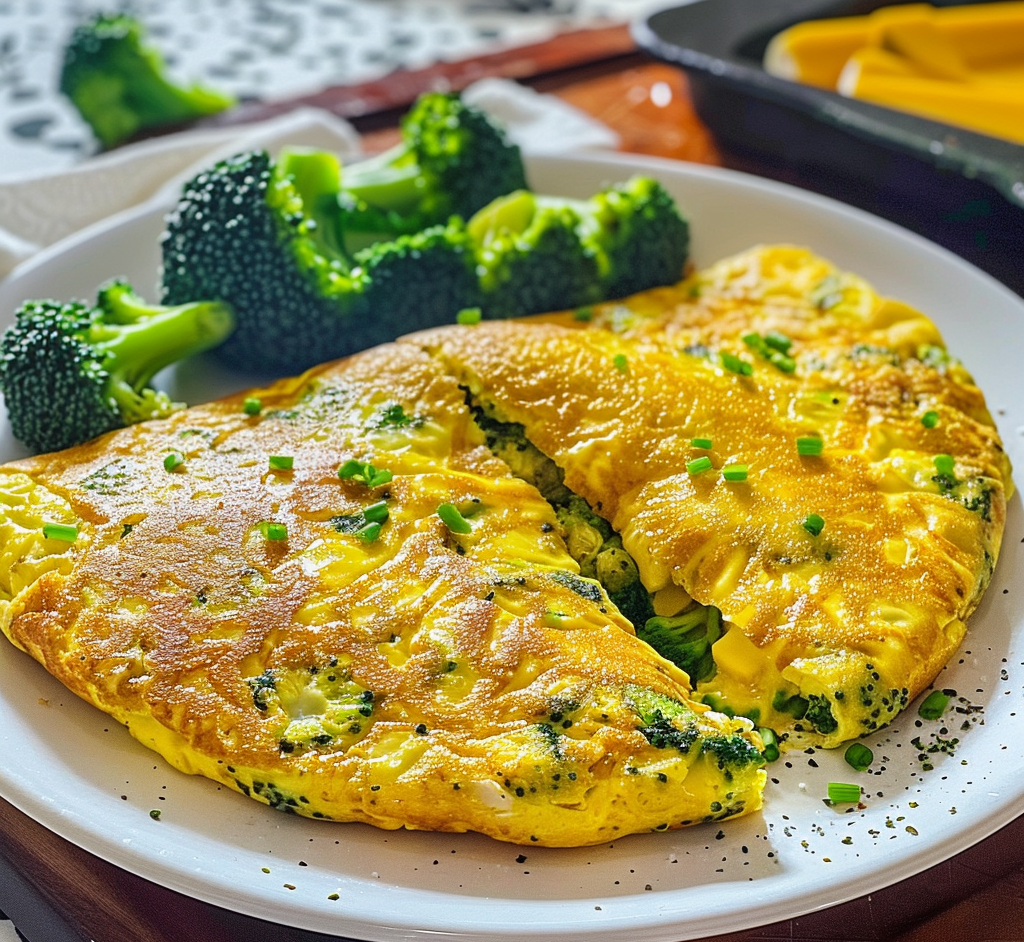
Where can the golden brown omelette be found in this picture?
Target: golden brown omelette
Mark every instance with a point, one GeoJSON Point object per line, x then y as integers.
{"type": "Point", "coordinates": [403, 588]}
{"type": "Point", "coordinates": [809, 487]}
{"type": "Point", "coordinates": [345, 606]}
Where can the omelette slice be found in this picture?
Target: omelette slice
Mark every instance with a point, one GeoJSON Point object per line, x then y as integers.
{"type": "Point", "coordinates": [794, 490]}
{"type": "Point", "coordinates": [331, 596]}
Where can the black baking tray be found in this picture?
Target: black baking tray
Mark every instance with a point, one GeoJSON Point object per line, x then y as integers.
{"type": "Point", "coordinates": [960, 189]}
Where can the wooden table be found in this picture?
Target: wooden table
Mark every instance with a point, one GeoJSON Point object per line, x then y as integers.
{"type": "Point", "coordinates": [56, 892]}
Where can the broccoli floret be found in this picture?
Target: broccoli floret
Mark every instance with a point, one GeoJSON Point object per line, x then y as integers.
{"type": "Point", "coordinates": [686, 639]}
{"type": "Point", "coordinates": [532, 257]}
{"type": "Point", "coordinates": [70, 372]}
{"type": "Point", "coordinates": [452, 160]}
{"type": "Point", "coordinates": [541, 253]}
{"type": "Point", "coordinates": [269, 238]}
{"type": "Point", "coordinates": [120, 86]}
{"type": "Point", "coordinates": [732, 751]}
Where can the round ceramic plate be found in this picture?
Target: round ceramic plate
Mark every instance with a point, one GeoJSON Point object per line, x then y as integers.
{"type": "Point", "coordinates": [935, 787]}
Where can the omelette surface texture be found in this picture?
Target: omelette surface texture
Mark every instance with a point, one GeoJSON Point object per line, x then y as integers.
{"type": "Point", "coordinates": [369, 661]}
{"type": "Point", "coordinates": [772, 439]}
{"type": "Point", "coordinates": [349, 606]}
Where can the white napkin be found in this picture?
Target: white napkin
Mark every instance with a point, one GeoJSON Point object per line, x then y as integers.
{"type": "Point", "coordinates": [36, 211]}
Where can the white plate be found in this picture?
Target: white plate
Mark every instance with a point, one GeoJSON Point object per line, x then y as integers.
{"type": "Point", "coordinates": [82, 776]}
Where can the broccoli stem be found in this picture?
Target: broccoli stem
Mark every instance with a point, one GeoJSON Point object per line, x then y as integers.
{"type": "Point", "coordinates": [386, 182]}
{"type": "Point", "coordinates": [144, 340]}
{"type": "Point", "coordinates": [316, 176]}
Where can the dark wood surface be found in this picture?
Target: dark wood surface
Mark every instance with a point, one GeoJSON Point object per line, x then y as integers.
{"type": "Point", "coordinates": [57, 892]}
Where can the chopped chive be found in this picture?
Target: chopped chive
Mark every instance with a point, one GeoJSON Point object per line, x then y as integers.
{"type": "Point", "coordinates": [814, 524]}
{"type": "Point", "coordinates": [843, 793]}
{"type": "Point", "coordinates": [67, 532]}
{"type": "Point", "coordinates": [732, 363]}
{"type": "Point", "coordinates": [274, 531]}
{"type": "Point", "coordinates": [364, 473]}
{"type": "Point", "coordinates": [945, 464]}
{"type": "Point", "coordinates": [369, 532]}
{"type": "Point", "coordinates": [698, 465]}
{"type": "Point", "coordinates": [281, 462]}
{"type": "Point", "coordinates": [755, 341]}
{"type": "Point", "coordinates": [809, 445]}
{"type": "Point", "coordinates": [771, 750]}
{"type": "Point", "coordinates": [621, 363]}
{"type": "Point", "coordinates": [735, 472]}
{"type": "Point", "coordinates": [453, 520]}
{"type": "Point", "coordinates": [782, 362]}
{"type": "Point", "coordinates": [700, 442]}
{"type": "Point", "coordinates": [469, 315]}
{"type": "Point", "coordinates": [778, 341]}
{"type": "Point", "coordinates": [930, 419]}
{"type": "Point", "coordinates": [252, 406]}
{"type": "Point", "coordinates": [377, 513]}
{"type": "Point", "coordinates": [173, 461]}
{"type": "Point", "coordinates": [934, 705]}
{"type": "Point", "coordinates": [858, 756]}
{"type": "Point", "coordinates": [584, 314]}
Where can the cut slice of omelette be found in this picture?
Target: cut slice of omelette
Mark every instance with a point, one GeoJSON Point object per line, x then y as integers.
{"type": "Point", "coordinates": [331, 596]}
{"type": "Point", "coordinates": [808, 489]}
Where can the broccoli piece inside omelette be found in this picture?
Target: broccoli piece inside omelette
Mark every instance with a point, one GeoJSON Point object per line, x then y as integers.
{"type": "Point", "coordinates": [688, 637]}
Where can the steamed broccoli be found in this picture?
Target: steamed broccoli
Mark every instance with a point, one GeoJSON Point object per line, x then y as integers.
{"type": "Point", "coordinates": [542, 253]}
{"type": "Point", "coordinates": [120, 86]}
{"type": "Point", "coordinates": [269, 238]}
{"type": "Point", "coordinates": [686, 639]}
{"type": "Point", "coordinates": [452, 161]}
{"type": "Point", "coordinates": [70, 372]}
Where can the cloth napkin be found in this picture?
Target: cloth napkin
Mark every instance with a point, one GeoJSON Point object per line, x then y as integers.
{"type": "Point", "coordinates": [37, 211]}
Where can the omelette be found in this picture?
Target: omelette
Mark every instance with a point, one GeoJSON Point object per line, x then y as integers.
{"type": "Point", "coordinates": [801, 492]}
{"type": "Point", "coordinates": [331, 596]}
{"type": "Point", "coordinates": [542, 579]}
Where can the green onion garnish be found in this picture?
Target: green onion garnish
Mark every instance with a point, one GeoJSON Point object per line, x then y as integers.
{"type": "Point", "coordinates": [377, 513]}
{"type": "Point", "coordinates": [945, 464]}
{"type": "Point", "coordinates": [67, 532]}
{"type": "Point", "coordinates": [773, 347]}
{"type": "Point", "coordinates": [934, 705]}
{"type": "Point", "coordinates": [735, 472]}
{"type": "Point", "coordinates": [621, 363]}
{"type": "Point", "coordinates": [453, 519]}
{"type": "Point", "coordinates": [700, 442]}
{"type": "Point", "coordinates": [252, 406]}
{"type": "Point", "coordinates": [364, 473]}
{"type": "Point", "coordinates": [809, 445]}
{"type": "Point", "coordinates": [771, 744]}
{"type": "Point", "coordinates": [930, 419]}
{"type": "Point", "coordinates": [778, 341]}
{"type": "Point", "coordinates": [814, 524]}
{"type": "Point", "coordinates": [840, 793]}
{"type": "Point", "coordinates": [734, 364]}
{"type": "Point", "coordinates": [469, 315]}
{"type": "Point", "coordinates": [281, 462]}
{"type": "Point", "coordinates": [859, 757]}
{"type": "Point", "coordinates": [173, 461]}
{"type": "Point", "coordinates": [699, 465]}
{"type": "Point", "coordinates": [274, 531]}
{"type": "Point", "coordinates": [369, 532]}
